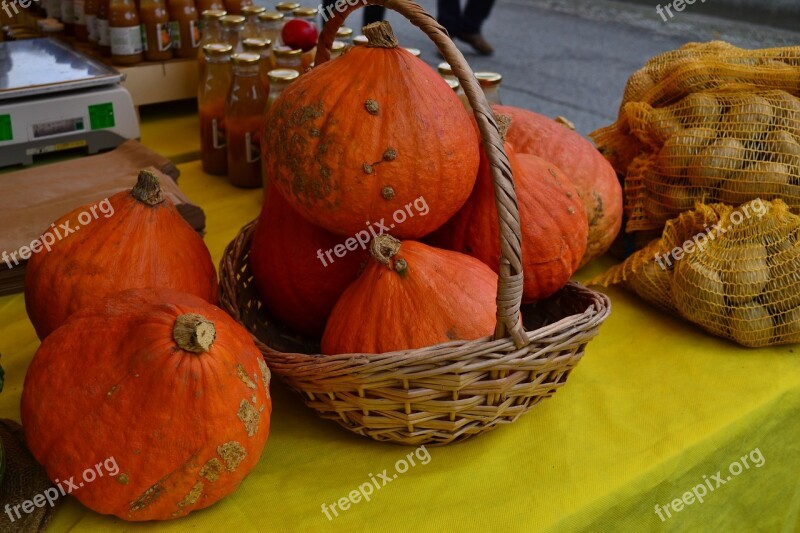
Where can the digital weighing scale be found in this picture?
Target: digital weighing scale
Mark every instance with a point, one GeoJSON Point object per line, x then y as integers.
{"type": "Point", "coordinates": [53, 97]}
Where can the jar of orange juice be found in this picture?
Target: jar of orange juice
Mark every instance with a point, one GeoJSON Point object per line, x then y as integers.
{"type": "Point", "coordinates": [251, 28]}
{"type": "Point", "coordinates": [157, 42]}
{"type": "Point", "coordinates": [234, 7]}
{"type": "Point", "coordinates": [211, 97]}
{"type": "Point", "coordinates": [262, 48]}
{"type": "Point", "coordinates": [125, 32]}
{"type": "Point", "coordinates": [285, 57]}
{"type": "Point", "coordinates": [231, 30]}
{"type": "Point", "coordinates": [184, 30]}
{"type": "Point", "coordinates": [270, 25]}
{"type": "Point", "coordinates": [244, 121]}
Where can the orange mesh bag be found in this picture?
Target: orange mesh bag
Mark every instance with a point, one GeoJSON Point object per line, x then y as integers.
{"type": "Point", "coordinates": [734, 271]}
{"type": "Point", "coordinates": [694, 68]}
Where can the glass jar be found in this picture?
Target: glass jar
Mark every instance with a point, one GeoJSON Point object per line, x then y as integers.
{"type": "Point", "coordinates": [103, 36]}
{"type": "Point", "coordinates": [284, 57]}
{"type": "Point", "coordinates": [270, 24]}
{"type": "Point", "coordinates": [444, 69]}
{"type": "Point", "coordinates": [125, 32]}
{"type": "Point", "coordinates": [490, 83]}
{"type": "Point", "coordinates": [231, 29]}
{"type": "Point", "coordinates": [211, 97]}
{"type": "Point", "coordinates": [68, 16]}
{"type": "Point", "coordinates": [184, 28]}
{"type": "Point", "coordinates": [345, 35]}
{"type": "Point", "coordinates": [79, 14]}
{"type": "Point", "coordinates": [208, 5]}
{"type": "Point", "coordinates": [286, 8]}
{"type": "Point", "coordinates": [156, 41]}
{"type": "Point", "coordinates": [279, 79]}
{"type": "Point", "coordinates": [210, 31]}
{"type": "Point", "coordinates": [454, 84]}
{"type": "Point", "coordinates": [235, 7]}
{"type": "Point", "coordinates": [337, 49]}
{"type": "Point", "coordinates": [262, 48]}
{"type": "Point", "coordinates": [252, 28]}
{"type": "Point", "coordinates": [416, 52]}
{"type": "Point", "coordinates": [244, 121]}
{"type": "Point", "coordinates": [360, 40]}
{"type": "Point", "coordinates": [309, 14]}
{"type": "Point", "coordinates": [90, 19]}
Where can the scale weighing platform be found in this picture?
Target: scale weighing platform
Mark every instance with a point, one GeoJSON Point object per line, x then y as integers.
{"type": "Point", "coordinates": [53, 98]}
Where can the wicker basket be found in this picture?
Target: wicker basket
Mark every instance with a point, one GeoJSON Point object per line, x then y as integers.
{"type": "Point", "coordinates": [443, 393]}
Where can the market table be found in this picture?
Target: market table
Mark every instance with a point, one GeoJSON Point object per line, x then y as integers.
{"type": "Point", "coordinates": [655, 409]}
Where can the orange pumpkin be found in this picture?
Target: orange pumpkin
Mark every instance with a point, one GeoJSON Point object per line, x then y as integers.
{"type": "Point", "coordinates": [552, 219]}
{"type": "Point", "coordinates": [164, 386]}
{"type": "Point", "coordinates": [362, 136]}
{"type": "Point", "coordinates": [140, 241]}
{"type": "Point", "coordinates": [300, 270]}
{"type": "Point", "coordinates": [411, 296]}
{"type": "Point", "coordinates": [586, 168]}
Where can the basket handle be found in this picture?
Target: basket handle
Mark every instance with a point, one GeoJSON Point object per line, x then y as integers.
{"type": "Point", "coordinates": [509, 284]}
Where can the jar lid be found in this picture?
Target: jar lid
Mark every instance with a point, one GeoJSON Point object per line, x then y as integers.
{"type": "Point", "coordinates": [213, 14]}
{"type": "Point", "coordinates": [286, 6]}
{"type": "Point", "coordinates": [305, 12]}
{"type": "Point", "coordinates": [282, 74]}
{"type": "Point", "coordinates": [287, 52]}
{"type": "Point", "coordinates": [360, 40]}
{"type": "Point", "coordinates": [252, 10]}
{"type": "Point", "coordinates": [344, 32]}
{"type": "Point", "coordinates": [488, 79]}
{"type": "Point", "coordinates": [445, 69]}
{"type": "Point", "coordinates": [232, 20]}
{"type": "Point", "coordinates": [217, 49]}
{"type": "Point", "coordinates": [245, 58]}
{"type": "Point", "coordinates": [338, 46]}
{"type": "Point", "coordinates": [254, 44]}
{"type": "Point", "coordinates": [270, 16]}
{"type": "Point", "coordinates": [416, 52]}
{"type": "Point", "coordinates": [453, 83]}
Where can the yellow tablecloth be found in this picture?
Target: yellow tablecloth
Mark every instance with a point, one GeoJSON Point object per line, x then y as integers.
{"type": "Point", "coordinates": [655, 409]}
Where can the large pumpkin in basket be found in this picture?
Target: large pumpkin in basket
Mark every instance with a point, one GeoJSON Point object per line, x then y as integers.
{"type": "Point", "coordinates": [361, 137]}
{"type": "Point", "coordinates": [552, 219]}
{"type": "Point", "coordinates": [163, 389]}
{"type": "Point", "coordinates": [300, 269]}
{"type": "Point", "coordinates": [133, 239]}
{"type": "Point", "coordinates": [411, 296]}
{"type": "Point", "coordinates": [581, 162]}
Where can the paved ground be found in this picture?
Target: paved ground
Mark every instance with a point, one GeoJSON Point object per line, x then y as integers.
{"type": "Point", "coordinates": [573, 57]}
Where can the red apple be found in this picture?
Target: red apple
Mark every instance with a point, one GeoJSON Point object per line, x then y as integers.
{"type": "Point", "coordinates": [299, 33]}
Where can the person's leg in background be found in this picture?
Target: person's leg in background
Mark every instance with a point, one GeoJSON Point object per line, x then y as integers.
{"type": "Point", "coordinates": [476, 12]}
{"type": "Point", "coordinates": [448, 14]}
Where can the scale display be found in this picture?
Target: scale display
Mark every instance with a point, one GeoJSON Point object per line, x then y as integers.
{"type": "Point", "coordinates": [33, 67]}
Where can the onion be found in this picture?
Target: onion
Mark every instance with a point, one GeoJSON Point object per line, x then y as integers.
{"type": "Point", "coordinates": [751, 325]}
{"type": "Point", "coordinates": [716, 162]}
{"type": "Point", "coordinates": [746, 272]}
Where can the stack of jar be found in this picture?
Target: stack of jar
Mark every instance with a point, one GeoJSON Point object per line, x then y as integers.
{"type": "Point", "coordinates": [488, 81]}
{"type": "Point", "coordinates": [243, 69]}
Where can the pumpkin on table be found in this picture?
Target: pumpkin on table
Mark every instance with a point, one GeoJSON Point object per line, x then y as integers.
{"type": "Point", "coordinates": [364, 135]}
{"type": "Point", "coordinates": [142, 241]}
{"type": "Point", "coordinates": [166, 384]}
{"type": "Point", "coordinates": [587, 169]}
{"type": "Point", "coordinates": [552, 218]}
{"type": "Point", "coordinates": [412, 295]}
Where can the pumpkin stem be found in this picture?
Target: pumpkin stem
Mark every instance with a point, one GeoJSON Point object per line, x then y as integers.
{"type": "Point", "coordinates": [194, 333]}
{"type": "Point", "coordinates": [383, 248]}
{"type": "Point", "coordinates": [503, 123]}
{"type": "Point", "coordinates": [147, 189]}
{"type": "Point", "coordinates": [380, 35]}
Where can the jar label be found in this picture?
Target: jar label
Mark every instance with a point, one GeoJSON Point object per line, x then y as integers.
{"type": "Point", "coordinates": [217, 134]}
{"type": "Point", "coordinates": [194, 32]}
{"type": "Point", "coordinates": [175, 34]}
{"type": "Point", "coordinates": [252, 147]}
{"type": "Point", "coordinates": [91, 27]}
{"type": "Point", "coordinates": [79, 14]}
{"type": "Point", "coordinates": [126, 41]}
{"type": "Point", "coordinates": [143, 29]}
{"type": "Point", "coordinates": [67, 12]}
{"type": "Point", "coordinates": [164, 36]}
{"type": "Point", "coordinates": [103, 36]}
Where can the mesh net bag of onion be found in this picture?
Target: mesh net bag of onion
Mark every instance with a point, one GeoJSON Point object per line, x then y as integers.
{"type": "Point", "coordinates": [734, 271]}
{"type": "Point", "coordinates": [708, 122]}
